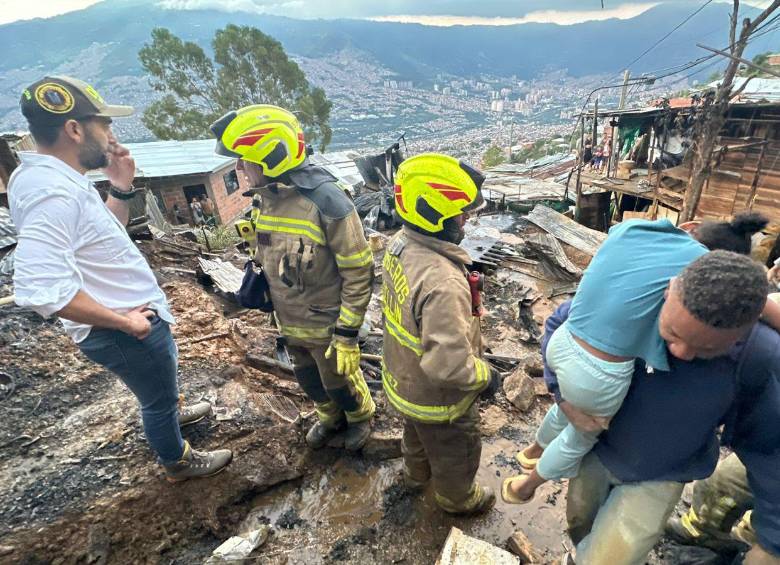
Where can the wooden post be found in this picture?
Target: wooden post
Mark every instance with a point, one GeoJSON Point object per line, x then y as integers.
{"type": "Point", "coordinates": [754, 184]}
{"type": "Point", "coordinates": [578, 185]}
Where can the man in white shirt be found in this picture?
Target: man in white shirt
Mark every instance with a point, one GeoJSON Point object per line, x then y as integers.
{"type": "Point", "coordinates": [75, 259]}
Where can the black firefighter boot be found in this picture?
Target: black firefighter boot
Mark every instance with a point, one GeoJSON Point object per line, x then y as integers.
{"type": "Point", "coordinates": [320, 434]}
{"type": "Point", "coordinates": [357, 435]}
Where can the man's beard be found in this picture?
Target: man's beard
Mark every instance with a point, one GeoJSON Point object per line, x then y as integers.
{"type": "Point", "coordinates": [91, 155]}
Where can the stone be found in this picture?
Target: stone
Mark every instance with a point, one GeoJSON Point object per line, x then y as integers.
{"type": "Point", "coordinates": [383, 445]}
{"type": "Point", "coordinates": [237, 548]}
{"type": "Point", "coordinates": [520, 389]}
{"type": "Point", "coordinates": [6, 550]}
{"type": "Point", "coordinates": [520, 545]}
{"type": "Point", "coordinates": [460, 549]}
{"type": "Point", "coordinates": [493, 419]}
{"type": "Point", "coordinates": [232, 372]}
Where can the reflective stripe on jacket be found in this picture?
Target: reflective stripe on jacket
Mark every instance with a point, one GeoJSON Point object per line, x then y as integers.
{"type": "Point", "coordinates": [432, 370]}
{"type": "Point", "coordinates": [319, 266]}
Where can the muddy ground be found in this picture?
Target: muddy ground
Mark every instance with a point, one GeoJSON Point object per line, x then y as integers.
{"type": "Point", "coordinates": [78, 483]}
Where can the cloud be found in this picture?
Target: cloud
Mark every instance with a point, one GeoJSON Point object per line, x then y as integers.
{"type": "Point", "coordinates": [14, 10]}
{"type": "Point", "coordinates": [622, 12]}
{"type": "Point", "coordinates": [289, 7]}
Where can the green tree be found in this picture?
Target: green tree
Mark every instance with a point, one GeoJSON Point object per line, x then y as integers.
{"type": "Point", "coordinates": [761, 61]}
{"type": "Point", "coordinates": [248, 67]}
{"type": "Point", "coordinates": [493, 156]}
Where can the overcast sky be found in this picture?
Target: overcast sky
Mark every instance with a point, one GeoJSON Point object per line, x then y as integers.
{"type": "Point", "coordinates": [432, 12]}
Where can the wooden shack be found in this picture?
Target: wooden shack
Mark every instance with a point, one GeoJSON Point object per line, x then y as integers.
{"type": "Point", "coordinates": [745, 165]}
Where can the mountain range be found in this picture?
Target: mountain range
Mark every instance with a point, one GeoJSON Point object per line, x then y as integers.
{"type": "Point", "coordinates": [101, 43]}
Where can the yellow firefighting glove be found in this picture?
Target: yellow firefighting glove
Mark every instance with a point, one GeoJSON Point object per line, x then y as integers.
{"type": "Point", "coordinates": [347, 356]}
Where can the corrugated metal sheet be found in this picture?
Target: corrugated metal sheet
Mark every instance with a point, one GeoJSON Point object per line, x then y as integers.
{"type": "Point", "coordinates": [757, 89]}
{"type": "Point", "coordinates": [7, 229]}
{"type": "Point", "coordinates": [341, 164]}
{"type": "Point", "coordinates": [172, 158]}
{"type": "Point", "coordinates": [156, 159]}
{"type": "Point", "coordinates": [567, 230]}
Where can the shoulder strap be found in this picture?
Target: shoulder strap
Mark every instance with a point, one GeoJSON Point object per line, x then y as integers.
{"type": "Point", "coordinates": [751, 378]}
{"type": "Point", "coordinates": [397, 246]}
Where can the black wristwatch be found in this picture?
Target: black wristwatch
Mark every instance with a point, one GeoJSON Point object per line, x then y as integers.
{"type": "Point", "coordinates": [122, 194]}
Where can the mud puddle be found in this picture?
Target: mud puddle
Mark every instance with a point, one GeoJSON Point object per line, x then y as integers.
{"type": "Point", "coordinates": [336, 499]}
{"type": "Point", "coordinates": [341, 513]}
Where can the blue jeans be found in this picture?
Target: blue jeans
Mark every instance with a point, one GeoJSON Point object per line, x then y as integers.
{"type": "Point", "coordinates": [148, 367]}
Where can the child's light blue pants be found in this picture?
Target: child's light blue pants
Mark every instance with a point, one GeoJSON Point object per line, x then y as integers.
{"type": "Point", "coordinates": [591, 384]}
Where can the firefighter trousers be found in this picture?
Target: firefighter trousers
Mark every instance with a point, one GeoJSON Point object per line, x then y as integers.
{"type": "Point", "coordinates": [336, 396]}
{"type": "Point", "coordinates": [448, 454]}
{"type": "Point", "coordinates": [721, 502]}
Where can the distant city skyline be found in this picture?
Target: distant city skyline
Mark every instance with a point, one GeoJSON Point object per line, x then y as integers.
{"type": "Point", "coordinates": [435, 12]}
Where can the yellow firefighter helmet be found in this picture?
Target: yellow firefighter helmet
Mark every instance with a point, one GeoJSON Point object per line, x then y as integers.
{"type": "Point", "coordinates": [431, 188]}
{"type": "Point", "coordinates": [263, 134]}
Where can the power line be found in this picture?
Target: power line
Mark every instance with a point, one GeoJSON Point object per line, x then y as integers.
{"type": "Point", "coordinates": [658, 42]}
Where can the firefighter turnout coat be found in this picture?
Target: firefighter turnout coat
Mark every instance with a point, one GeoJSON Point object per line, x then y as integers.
{"type": "Point", "coordinates": [318, 263]}
{"type": "Point", "coordinates": [432, 371]}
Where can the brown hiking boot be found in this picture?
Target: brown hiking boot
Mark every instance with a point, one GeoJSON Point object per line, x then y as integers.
{"type": "Point", "coordinates": [192, 414]}
{"type": "Point", "coordinates": [198, 464]}
{"type": "Point", "coordinates": [319, 434]}
{"type": "Point", "coordinates": [357, 435]}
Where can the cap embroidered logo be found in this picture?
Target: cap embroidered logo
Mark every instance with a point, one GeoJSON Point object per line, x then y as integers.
{"type": "Point", "coordinates": [94, 94]}
{"type": "Point", "coordinates": [54, 98]}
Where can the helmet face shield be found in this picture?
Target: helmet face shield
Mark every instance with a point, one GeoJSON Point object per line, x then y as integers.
{"type": "Point", "coordinates": [479, 178]}
{"type": "Point", "coordinates": [218, 129]}
{"type": "Point", "coordinates": [431, 188]}
{"type": "Point", "coordinates": [266, 135]}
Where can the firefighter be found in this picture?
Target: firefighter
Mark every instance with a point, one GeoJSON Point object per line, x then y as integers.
{"type": "Point", "coordinates": [432, 370]}
{"type": "Point", "coordinates": [310, 243]}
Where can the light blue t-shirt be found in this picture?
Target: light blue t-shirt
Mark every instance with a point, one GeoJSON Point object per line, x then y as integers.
{"type": "Point", "coordinates": [620, 296]}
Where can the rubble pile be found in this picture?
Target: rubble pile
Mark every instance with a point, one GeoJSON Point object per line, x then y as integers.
{"type": "Point", "coordinates": [79, 483]}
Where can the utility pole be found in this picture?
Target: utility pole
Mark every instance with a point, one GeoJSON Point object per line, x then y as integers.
{"type": "Point", "coordinates": [614, 148]}
{"type": "Point", "coordinates": [511, 133]}
{"type": "Point", "coordinates": [624, 92]}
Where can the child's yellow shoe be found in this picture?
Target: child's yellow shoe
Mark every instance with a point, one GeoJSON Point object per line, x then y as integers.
{"type": "Point", "coordinates": [507, 495]}
{"type": "Point", "coordinates": [527, 463]}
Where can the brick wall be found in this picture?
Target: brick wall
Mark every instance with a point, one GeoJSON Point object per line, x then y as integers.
{"type": "Point", "coordinates": [170, 192]}
{"type": "Point", "coordinates": [228, 206]}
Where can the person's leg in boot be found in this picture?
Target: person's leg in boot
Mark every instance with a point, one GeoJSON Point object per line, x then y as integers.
{"type": "Point", "coordinates": [350, 393]}
{"type": "Point", "coordinates": [330, 418]}
{"type": "Point", "coordinates": [148, 368]}
{"type": "Point", "coordinates": [417, 470]}
{"type": "Point", "coordinates": [719, 501]}
{"type": "Point", "coordinates": [453, 452]}
{"type": "Point", "coordinates": [629, 522]}
{"type": "Point", "coordinates": [193, 413]}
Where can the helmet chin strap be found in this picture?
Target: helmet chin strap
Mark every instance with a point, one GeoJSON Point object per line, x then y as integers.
{"type": "Point", "coordinates": [451, 233]}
